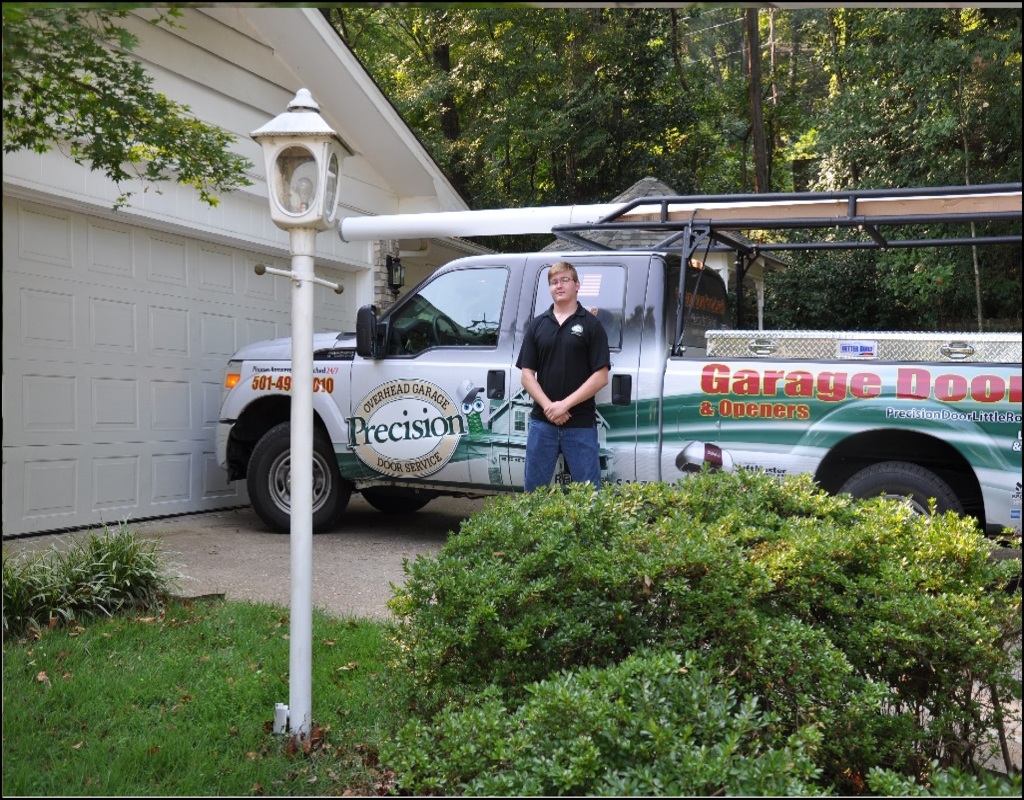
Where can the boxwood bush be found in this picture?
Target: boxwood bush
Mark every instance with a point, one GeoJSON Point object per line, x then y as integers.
{"type": "Point", "coordinates": [873, 632]}
{"type": "Point", "coordinates": [654, 724]}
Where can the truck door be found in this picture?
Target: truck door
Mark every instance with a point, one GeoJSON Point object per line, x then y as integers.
{"type": "Point", "coordinates": [423, 414]}
{"type": "Point", "coordinates": [613, 288]}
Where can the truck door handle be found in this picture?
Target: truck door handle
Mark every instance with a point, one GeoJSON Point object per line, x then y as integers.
{"type": "Point", "coordinates": [496, 384]}
{"type": "Point", "coordinates": [622, 390]}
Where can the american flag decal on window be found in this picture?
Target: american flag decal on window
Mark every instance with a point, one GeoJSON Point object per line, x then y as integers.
{"type": "Point", "coordinates": [590, 285]}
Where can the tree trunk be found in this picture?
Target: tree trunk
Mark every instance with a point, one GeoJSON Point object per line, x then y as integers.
{"type": "Point", "coordinates": [756, 108]}
{"type": "Point", "coordinates": [449, 115]}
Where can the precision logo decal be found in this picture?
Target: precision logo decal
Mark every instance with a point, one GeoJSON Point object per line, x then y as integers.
{"type": "Point", "coordinates": [406, 428]}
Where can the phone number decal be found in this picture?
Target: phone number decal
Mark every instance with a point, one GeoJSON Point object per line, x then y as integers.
{"type": "Point", "coordinates": [283, 383]}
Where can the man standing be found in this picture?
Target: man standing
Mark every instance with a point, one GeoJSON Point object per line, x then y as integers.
{"type": "Point", "coordinates": [564, 362]}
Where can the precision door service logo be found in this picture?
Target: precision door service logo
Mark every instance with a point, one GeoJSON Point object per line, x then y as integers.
{"type": "Point", "coordinates": [406, 428]}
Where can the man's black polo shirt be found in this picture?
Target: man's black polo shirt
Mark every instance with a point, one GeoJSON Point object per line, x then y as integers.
{"type": "Point", "coordinates": [564, 356]}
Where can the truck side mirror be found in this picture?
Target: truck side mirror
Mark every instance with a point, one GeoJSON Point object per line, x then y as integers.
{"type": "Point", "coordinates": [366, 332]}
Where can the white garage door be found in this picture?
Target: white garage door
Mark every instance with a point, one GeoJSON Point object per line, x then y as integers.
{"type": "Point", "coordinates": [115, 340]}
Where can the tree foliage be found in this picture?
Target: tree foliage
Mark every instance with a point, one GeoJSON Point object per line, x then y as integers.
{"type": "Point", "coordinates": [924, 98]}
{"type": "Point", "coordinates": [69, 82]}
{"type": "Point", "coordinates": [532, 107]}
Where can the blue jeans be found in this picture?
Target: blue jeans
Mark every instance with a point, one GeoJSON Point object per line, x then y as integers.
{"type": "Point", "coordinates": [545, 441]}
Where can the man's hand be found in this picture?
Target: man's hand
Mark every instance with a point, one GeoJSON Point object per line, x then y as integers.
{"type": "Point", "coordinates": [557, 412]}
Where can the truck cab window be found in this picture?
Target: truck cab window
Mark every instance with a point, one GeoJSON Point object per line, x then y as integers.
{"type": "Point", "coordinates": [705, 307]}
{"type": "Point", "coordinates": [457, 309]}
{"type": "Point", "coordinates": [602, 293]}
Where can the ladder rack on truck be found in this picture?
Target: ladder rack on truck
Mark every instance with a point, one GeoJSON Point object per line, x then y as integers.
{"type": "Point", "coordinates": [693, 222]}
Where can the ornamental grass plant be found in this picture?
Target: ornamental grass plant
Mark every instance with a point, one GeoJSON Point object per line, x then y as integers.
{"type": "Point", "coordinates": [100, 575]}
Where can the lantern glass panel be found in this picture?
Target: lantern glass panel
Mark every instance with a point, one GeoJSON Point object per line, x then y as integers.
{"type": "Point", "coordinates": [331, 187]}
{"type": "Point", "coordinates": [295, 180]}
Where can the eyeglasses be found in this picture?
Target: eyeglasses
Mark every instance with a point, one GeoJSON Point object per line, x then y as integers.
{"type": "Point", "coordinates": [565, 281]}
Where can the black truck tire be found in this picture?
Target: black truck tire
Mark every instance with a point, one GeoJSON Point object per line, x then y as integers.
{"type": "Point", "coordinates": [898, 480]}
{"type": "Point", "coordinates": [269, 481]}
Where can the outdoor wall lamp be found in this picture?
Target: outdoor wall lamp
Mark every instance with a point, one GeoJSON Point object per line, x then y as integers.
{"type": "Point", "coordinates": [396, 274]}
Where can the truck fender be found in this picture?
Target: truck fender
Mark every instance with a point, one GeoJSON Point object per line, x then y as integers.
{"type": "Point", "coordinates": [332, 415]}
{"type": "Point", "coordinates": [976, 446]}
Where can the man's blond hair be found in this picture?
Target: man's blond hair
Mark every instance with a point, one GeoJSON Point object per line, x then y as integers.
{"type": "Point", "coordinates": [563, 266]}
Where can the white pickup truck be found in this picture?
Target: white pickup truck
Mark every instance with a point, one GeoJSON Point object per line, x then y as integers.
{"type": "Point", "coordinates": [426, 400]}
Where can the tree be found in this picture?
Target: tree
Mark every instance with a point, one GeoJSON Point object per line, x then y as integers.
{"type": "Point", "coordinates": [529, 106]}
{"type": "Point", "coordinates": [533, 107]}
{"type": "Point", "coordinates": [929, 97]}
{"type": "Point", "coordinates": [69, 82]}
{"type": "Point", "coordinates": [756, 108]}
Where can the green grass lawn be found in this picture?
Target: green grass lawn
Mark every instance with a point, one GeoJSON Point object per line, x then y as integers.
{"type": "Point", "coordinates": [182, 703]}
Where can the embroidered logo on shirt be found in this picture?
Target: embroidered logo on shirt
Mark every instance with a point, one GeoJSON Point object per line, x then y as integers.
{"type": "Point", "coordinates": [576, 330]}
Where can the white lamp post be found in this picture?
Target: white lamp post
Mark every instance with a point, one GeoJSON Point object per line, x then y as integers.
{"type": "Point", "coordinates": [303, 158]}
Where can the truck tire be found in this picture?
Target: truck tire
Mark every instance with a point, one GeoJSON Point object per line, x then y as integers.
{"type": "Point", "coordinates": [396, 501]}
{"type": "Point", "coordinates": [898, 480]}
{"type": "Point", "coordinates": [269, 481]}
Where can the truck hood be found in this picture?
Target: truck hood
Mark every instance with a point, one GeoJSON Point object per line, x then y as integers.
{"type": "Point", "coordinates": [281, 349]}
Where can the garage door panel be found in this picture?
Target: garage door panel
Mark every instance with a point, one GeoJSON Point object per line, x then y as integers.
{"type": "Point", "coordinates": [45, 318]}
{"type": "Point", "coordinates": [212, 394]}
{"type": "Point", "coordinates": [44, 238]}
{"type": "Point", "coordinates": [115, 342]}
{"type": "Point", "coordinates": [267, 287]}
{"type": "Point", "coordinates": [218, 335]}
{"type": "Point", "coordinates": [54, 487]}
{"type": "Point", "coordinates": [165, 260]}
{"type": "Point", "coordinates": [113, 327]}
{"type": "Point", "coordinates": [48, 404]}
{"type": "Point", "coordinates": [67, 403]}
{"type": "Point", "coordinates": [256, 330]}
{"type": "Point", "coordinates": [111, 249]}
{"type": "Point", "coordinates": [115, 483]}
{"type": "Point", "coordinates": [215, 270]}
{"type": "Point", "coordinates": [335, 312]}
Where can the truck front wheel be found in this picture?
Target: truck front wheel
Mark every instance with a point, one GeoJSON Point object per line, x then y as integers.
{"type": "Point", "coordinates": [898, 480]}
{"type": "Point", "coordinates": [269, 481]}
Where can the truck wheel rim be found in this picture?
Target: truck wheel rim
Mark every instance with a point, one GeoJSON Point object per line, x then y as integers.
{"type": "Point", "coordinates": [915, 506]}
{"type": "Point", "coordinates": [279, 482]}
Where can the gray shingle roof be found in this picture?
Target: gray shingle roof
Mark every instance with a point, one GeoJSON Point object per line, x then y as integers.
{"type": "Point", "coordinates": [626, 240]}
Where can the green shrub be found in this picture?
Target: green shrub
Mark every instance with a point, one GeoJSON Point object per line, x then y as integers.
{"type": "Point", "coordinates": [100, 575]}
{"type": "Point", "coordinates": [944, 783]}
{"type": "Point", "coordinates": [861, 618]}
{"type": "Point", "coordinates": [655, 724]}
